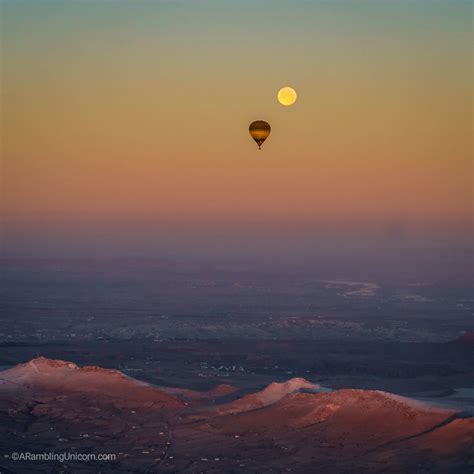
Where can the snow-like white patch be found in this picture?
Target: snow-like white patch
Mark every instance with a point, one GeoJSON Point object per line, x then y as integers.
{"type": "Point", "coordinates": [417, 298]}
{"type": "Point", "coordinates": [353, 288]}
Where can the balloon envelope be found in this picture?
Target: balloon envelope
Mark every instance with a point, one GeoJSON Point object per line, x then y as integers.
{"type": "Point", "coordinates": [259, 131]}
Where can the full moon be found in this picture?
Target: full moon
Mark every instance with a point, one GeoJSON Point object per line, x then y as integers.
{"type": "Point", "coordinates": [287, 96]}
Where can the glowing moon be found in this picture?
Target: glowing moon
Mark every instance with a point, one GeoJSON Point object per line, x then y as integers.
{"type": "Point", "coordinates": [287, 96]}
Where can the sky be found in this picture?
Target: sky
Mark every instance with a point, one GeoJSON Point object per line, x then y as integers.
{"type": "Point", "coordinates": [125, 124]}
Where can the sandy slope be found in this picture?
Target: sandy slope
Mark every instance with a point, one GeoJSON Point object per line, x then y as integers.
{"type": "Point", "coordinates": [61, 377]}
{"type": "Point", "coordinates": [269, 395]}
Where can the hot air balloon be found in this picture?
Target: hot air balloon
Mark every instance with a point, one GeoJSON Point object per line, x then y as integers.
{"type": "Point", "coordinates": [259, 131]}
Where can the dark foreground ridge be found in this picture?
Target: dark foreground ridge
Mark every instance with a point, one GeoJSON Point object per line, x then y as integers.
{"type": "Point", "coordinates": [55, 406]}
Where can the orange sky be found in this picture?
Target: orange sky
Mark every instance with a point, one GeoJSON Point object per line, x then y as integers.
{"type": "Point", "coordinates": [119, 113]}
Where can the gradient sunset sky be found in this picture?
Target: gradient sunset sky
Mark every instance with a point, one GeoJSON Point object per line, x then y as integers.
{"type": "Point", "coordinates": [130, 118]}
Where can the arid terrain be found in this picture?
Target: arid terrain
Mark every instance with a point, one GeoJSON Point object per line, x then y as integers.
{"type": "Point", "coordinates": [183, 367]}
{"type": "Point", "coordinates": [295, 426]}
